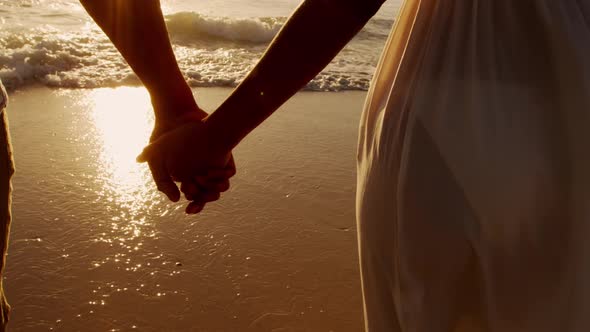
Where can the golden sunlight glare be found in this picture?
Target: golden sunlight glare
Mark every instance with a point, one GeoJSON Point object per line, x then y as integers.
{"type": "Point", "coordinates": [123, 119]}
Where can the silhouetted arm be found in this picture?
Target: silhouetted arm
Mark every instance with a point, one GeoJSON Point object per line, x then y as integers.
{"type": "Point", "coordinates": [310, 39]}
{"type": "Point", "coordinates": [138, 30]}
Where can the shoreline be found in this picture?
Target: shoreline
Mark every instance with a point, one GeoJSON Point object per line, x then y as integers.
{"type": "Point", "coordinates": [39, 86]}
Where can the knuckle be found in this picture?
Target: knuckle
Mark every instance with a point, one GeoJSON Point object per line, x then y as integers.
{"type": "Point", "coordinates": [163, 186]}
{"type": "Point", "coordinates": [213, 197]}
{"type": "Point", "coordinates": [232, 172]}
{"type": "Point", "coordinates": [223, 187]}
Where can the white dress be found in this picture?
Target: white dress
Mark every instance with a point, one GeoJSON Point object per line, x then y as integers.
{"type": "Point", "coordinates": [473, 201]}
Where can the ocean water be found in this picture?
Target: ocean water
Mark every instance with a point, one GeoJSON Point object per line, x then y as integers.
{"type": "Point", "coordinates": [54, 43]}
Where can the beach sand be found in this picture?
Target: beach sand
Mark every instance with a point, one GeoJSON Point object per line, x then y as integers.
{"type": "Point", "coordinates": [95, 248]}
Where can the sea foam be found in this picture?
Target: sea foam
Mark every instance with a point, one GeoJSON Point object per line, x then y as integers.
{"type": "Point", "coordinates": [197, 27]}
{"type": "Point", "coordinates": [211, 51]}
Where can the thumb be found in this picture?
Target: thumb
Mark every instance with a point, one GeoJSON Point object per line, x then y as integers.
{"type": "Point", "coordinates": [146, 154]}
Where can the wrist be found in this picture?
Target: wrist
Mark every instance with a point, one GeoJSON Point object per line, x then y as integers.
{"type": "Point", "coordinates": [226, 133]}
{"type": "Point", "coordinates": [174, 104]}
{"type": "Point", "coordinates": [218, 139]}
{"type": "Point", "coordinates": [232, 122]}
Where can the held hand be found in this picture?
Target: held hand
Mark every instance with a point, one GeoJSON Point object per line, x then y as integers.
{"type": "Point", "coordinates": [207, 188]}
{"type": "Point", "coordinates": [171, 114]}
{"type": "Point", "coordinates": [189, 154]}
{"type": "Point", "coordinates": [163, 181]}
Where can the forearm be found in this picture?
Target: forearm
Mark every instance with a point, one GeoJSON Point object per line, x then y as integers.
{"type": "Point", "coordinates": [310, 39]}
{"type": "Point", "coordinates": [138, 31]}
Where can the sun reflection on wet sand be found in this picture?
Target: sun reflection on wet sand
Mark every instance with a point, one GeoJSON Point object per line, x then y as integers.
{"type": "Point", "coordinates": [123, 120]}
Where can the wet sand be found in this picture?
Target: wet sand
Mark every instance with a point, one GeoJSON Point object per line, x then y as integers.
{"type": "Point", "coordinates": [95, 248]}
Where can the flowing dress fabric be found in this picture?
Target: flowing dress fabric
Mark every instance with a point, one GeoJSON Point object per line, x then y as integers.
{"type": "Point", "coordinates": [473, 200]}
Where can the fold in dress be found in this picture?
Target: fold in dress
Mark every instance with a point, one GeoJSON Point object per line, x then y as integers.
{"type": "Point", "coordinates": [473, 200]}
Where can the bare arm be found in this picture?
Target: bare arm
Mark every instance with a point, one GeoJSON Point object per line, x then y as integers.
{"type": "Point", "coordinates": [310, 39]}
{"type": "Point", "coordinates": [138, 30]}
